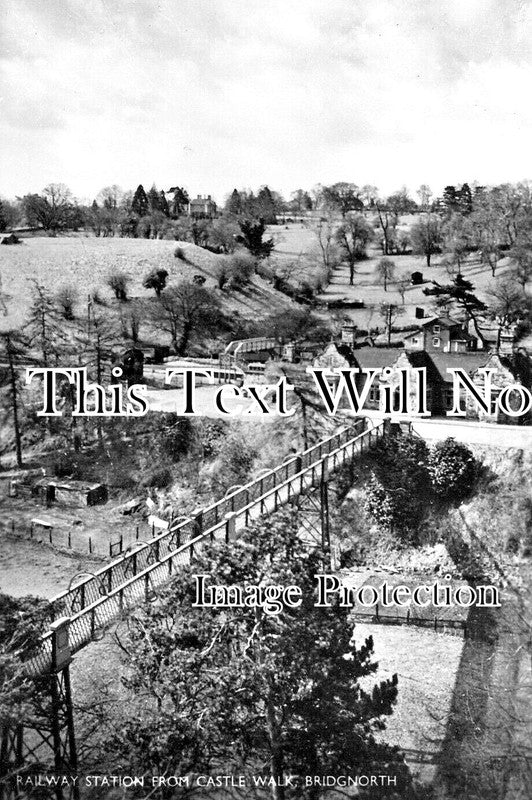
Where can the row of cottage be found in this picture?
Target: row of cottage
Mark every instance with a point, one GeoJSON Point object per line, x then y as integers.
{"type": "Point", "coordinates": [439, 345]}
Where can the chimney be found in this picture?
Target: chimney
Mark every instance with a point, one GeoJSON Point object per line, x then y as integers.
{"type": "Point", "coordinates": [506, 340]}
{"type": "Point", "coordinates": [349, 333]}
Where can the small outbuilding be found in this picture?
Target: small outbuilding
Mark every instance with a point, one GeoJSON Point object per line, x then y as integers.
{"type": "Point", "coordinates": [11, 239]}
{"type": "Point", "coordinates": [80, 493]}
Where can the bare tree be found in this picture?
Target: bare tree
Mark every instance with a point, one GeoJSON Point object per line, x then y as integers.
{"type": "Point", "coordinates": [185, 309]}
{"type": "Point", "coordinates": [402, 284]}
{"type": "Point", "coordinates": [352, 237]}
{"type": "Point", "coordinates": [385, 271]}
{"type": "Point", "coordinates": [13, 351]}
{"type": "Point", "coordinates": [325, 229]}
{"type": "Point", "coordinates": [389, 312]}
{"type": "Point", "coordinates": [51, 210]}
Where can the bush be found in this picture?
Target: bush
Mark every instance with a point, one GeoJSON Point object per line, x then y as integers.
{"type": "Point", "coordinates": [118, 282]}
{"type": "Point", "coordinates": [399, 492]}
{"type": "Point", "coordinates": [156, 280]}
{"type": "Point", "coordinates": [241, 269]}
{"type": "Point", "coordinates": [158, 478]}
{"type": "Point", "coordinates": [180, 254]}
{"type": "Point", "coordinates": [67, 297]}
{"type": "Point", "coordinates": [452, 469]}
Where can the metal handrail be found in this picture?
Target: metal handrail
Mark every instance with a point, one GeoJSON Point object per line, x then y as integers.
{"type": "Point", "coordinates": [104, 609]}
{"type": "Point", "coordinates": [114, 573]}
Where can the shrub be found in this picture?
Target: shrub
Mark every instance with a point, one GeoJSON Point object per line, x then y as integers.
{"type": "Point", "coordinates": [452, 468]}
{"type": "Point", "coordinates": [156, 280]}
{"type": "Point", "coordinates": [97, 299]}
{"type": "Point", "coordinates": [397, 495]}
{"type": "Point", "coordinates": [242, 269]}
{"type": "Point", "coordinates": [379, 504]}
{"type": "Point", "coordinates": [66, 298]}
{"type": "Point", "coordinates": [180, 254]}
{"type": "Point", "coordinates": [118, 282]}
{"type": "Point", "coordinates": [158, 478]}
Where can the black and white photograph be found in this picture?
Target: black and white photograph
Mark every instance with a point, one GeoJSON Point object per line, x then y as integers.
{"type": "Point", "coordinates": [265, 400]}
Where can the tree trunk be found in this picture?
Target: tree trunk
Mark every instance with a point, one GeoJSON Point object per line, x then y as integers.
{"type": "Point", "coordinates": [185, 336]}
{"type": "Point", "coordinates": [276, 762]}
{"type": "Point", "coordinates": [428, 254]}
{"type": "Point", "coordinates": [14, 402]}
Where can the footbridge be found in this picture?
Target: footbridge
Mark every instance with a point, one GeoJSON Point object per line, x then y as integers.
{"type": "Point", "coordinates": [240, 346]}
{"type": "Point", "coordinates": [94, 601]}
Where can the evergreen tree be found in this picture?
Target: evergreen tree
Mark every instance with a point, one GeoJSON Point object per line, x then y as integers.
{"type": "Point", "coordinates": [461, 292]}
{"type": "Point", "coordinates": [140, 203]}
{"type": "Point", "coordinates": [251, 235]}
{"type": "Point", "coordinates": [235, 687]}
{"type": "Point", "coordinates": [45, 328]}
{"type": "Point", "coordinates": [14, 352]}
{"type": "Point", "coordinates": [154, 200]}
{"type": "Point", "coordinates": [234, 203]}
{"type": "Point", "coordinates": [465, 200]}
{"type": "Point", "coordinates": [163, 204]}
{"type": "Point", "coordinates": [266, 206]}
{"type": "Point", "coordinates": [450, 198]}
{"type": "Point", "coordinates": [3, 218]}
{"type": "Point", "coordinates": [179, 201]}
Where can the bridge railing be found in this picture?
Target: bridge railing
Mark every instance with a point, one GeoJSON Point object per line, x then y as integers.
{"type": "Point", "coordinates": [108, 607]}
{"type": "Point", "coordinates": [250, 345]}
{"type": "Point", "coordinates": [139, 556]}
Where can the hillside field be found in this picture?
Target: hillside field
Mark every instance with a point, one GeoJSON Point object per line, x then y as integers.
{"type": "Point", "coordinates": [85, 262]}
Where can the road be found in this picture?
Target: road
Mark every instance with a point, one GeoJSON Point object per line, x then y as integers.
{"type": "Point", "coordinates": [464, 430]}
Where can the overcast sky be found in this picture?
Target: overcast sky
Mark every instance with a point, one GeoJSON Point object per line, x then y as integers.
{"type": "Point", "coordinates": [213, 94]}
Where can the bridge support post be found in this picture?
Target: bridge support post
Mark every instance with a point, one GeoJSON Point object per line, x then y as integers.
{"type": "Point", "coordinates": [324, 510]}
{"type": "Point", "coordinates": [49, 743]}
{"type": "Point", "coordinates": [63, 736]}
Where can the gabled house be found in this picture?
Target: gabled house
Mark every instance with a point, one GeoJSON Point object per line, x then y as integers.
{"type": "Point", "coordinates": [441, 335]}
{"type": "Point", "coordinates": [510, 369]}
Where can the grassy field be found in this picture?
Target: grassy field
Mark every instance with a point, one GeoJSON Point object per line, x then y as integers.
{"type": "Point", "coordinates": [299, 242]}
{"type": "Point", "coordinates": [84, 262]}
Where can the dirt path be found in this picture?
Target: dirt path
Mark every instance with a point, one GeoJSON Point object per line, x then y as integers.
{"type": "Point", "coordinates": [30, 568]}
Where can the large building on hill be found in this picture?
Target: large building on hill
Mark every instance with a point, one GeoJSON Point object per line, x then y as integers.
{"type": "Point", "coordinates": [202, 207]}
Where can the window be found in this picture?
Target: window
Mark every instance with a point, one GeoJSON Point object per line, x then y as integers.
{"type": "Point", "coordinates": [436, 329]}
{"type": "Point", "coordinates": [436, 341]}
{"type": "Point", "coordinates": [415, 340]}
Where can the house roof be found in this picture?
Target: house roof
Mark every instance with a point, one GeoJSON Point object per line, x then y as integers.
{"type": "Point", "coordinates": [376, 356]}
{"type": "Point", "coordinates": [468, 361]}
{"type": "Point", "coordinates": [446, 321]}
{"type": "Point", "coordinates": [201, 201]}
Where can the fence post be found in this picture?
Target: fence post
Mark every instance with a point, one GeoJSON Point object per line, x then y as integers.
{"type": "Point", "coordinates": [70, 539]}
{"type": "Point", "coordinates": [90, 544]}
{"type": "Point", "coordinates": [230, 526]}
{"type": "Point", "coordinates": [137, 534]}
{"type": "Point", "coordinates": [121, 542]}
{"type": "Point", "coordinates": [197, 517]}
